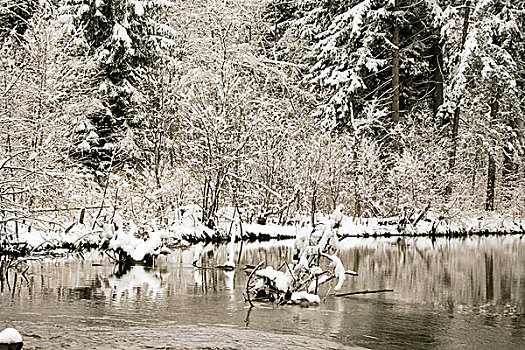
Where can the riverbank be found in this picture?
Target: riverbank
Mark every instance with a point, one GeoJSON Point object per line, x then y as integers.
{"type": "Point", "coordinates": [155, 238]}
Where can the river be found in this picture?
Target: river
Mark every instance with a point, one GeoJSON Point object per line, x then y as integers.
{"type": "Point", "coordinates": [448, 294]}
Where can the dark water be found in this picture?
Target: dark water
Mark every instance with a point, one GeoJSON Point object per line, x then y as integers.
{"type": "Point", "coordinates": [450, 294]}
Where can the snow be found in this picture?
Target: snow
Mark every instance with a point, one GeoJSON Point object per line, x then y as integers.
{"type": "Point", "coordinates": [120, 34]}
{"type": "Point", "coordinates": [66, 19]}
{"type": "Point", "coordinates": [337, 214]}
{"type": "Point", "coordinates": [10, 336]}
{"type": "Point", "coordinates": [282, 280]}
{"type": "Point", "coordinates": [109, 146]}
{"type": "Point", "coordinates": [337, 78]}
{"type": "Point", "coordinates": [301, 240]}
{"type": "Point", "coordinates": [305, 296]}
{"type": "Point", "coordinates": [84, 146]}
{"type": "Point", "coordinates": [339, 271]}
{"type": "Point", "coordinates": [320, 281]}
{"type": "Point", "coordinates": [433, 5]}
{"type": "Point", "coordinates": [139, 8]}
{"type": "Point", "coordinates": [269, 273]}
{"type": "Point", "coordinates": [329, 236]}
{"type": "Point", "coordinates": [136, 248]}
{"type": "Point", "coordinates": [83, 9]}
{"type": "Point", "coordinates": [316, 270]}
{"type": "Point", "coordinates": [302, 265]}
{"type": "Point", "coordinates": [120, 234]}
{"type": "Point", "coordinates": [92, 135]}
{"type": "Point", "coordinates": [354, 16]}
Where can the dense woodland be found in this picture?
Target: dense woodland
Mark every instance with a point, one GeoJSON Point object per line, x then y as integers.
{"type": "Point", "coordinates": [274, 107]}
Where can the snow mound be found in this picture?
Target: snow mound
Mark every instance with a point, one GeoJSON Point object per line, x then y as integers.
{"type": "Point", "coordinates": [137, 248]}
{"type": "Point", "coordinates": [269, 273]}
{"type": "Point", "coordinates": [298, 297]}
{"type": "Point", "coordinates": [10, 336]}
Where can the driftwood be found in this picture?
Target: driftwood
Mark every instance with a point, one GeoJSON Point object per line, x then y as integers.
{"type": "Point", "coordinates": [300, 282]}
{"type": "Point", "coordinates": [220, 267]}
{"type": "Point", "coordinates": [364, 292]}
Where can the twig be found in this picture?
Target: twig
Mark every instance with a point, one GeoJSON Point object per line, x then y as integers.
{"type": "Point", "coordinates": [249, 279]}
{"type": "Point", "coordinates": [105, 190]}
{"type": "Point", "coordinates": [364, 292]}
{"type": "Point", "coordinates": [45, 210]}
{"type": "Point", "coordinates": [328, 293]}
{"type": "Point", "coordinates": [291, 273]}
{"type": "Point", "coordinates": [309, 279]}
{"type": "Point", "coordinates": [256, 183]}
{"type": "Point", "coordinates": [5, 161]}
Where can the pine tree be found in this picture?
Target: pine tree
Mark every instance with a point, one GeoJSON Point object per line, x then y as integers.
{"type": "Point", "coordinates": [127, 39]}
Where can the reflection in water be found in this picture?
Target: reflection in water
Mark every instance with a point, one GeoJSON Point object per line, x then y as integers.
{"type": "Point", "coordinates": [197, 276]}
{"type": "Point", "coordinates": [228, 280]}
{"type": "Point", "coordinates": [463, 293]}
{"type": "Point", "coordinates": [139, 283]}
{"type": "Point", "coordinates": [467, 273]}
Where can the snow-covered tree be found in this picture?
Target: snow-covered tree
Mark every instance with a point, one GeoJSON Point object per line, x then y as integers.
{"type": "Point", "coordinates": [127, 39]}
{"type": "Point", "coordinates": [483, 42]}
{"type": "Point", "coordinates": [42, 95]}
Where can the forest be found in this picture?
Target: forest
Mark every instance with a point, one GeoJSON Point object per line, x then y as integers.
{"type": "Point", "coordinates": [127, 110]}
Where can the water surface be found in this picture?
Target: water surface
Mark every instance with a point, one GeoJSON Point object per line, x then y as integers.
{"type": "Point", "coordinates": [448, 294]}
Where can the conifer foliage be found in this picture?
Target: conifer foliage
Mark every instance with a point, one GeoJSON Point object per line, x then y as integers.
{"type": "Point", "coordinates": [408, 74]}
{"type": "Point", "coordinates": [127, 40]}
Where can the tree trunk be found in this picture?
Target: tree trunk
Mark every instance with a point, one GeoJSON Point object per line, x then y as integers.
{"type": "Point", "coordinates": [438, 79]}
{"type": "Point", "coordinates": [395, 76]}
{"type": "Point", "coordinates": [491, 173]}
{"type": "Point", "coordinates": [455, 129]}
{"type": "Point", "coordinates": [314, 200]}
{"type": "Point", "coordinates": [491, 182]}
{"type": "Point", "coordinates": [509, 167]}
{"type": "Point", "coordinates": [455, 122]}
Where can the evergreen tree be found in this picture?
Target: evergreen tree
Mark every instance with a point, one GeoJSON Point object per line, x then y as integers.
{"type": "Point", "coordinates": [351, 54]}
{"type": "Point", "coordinates": [128, 40]}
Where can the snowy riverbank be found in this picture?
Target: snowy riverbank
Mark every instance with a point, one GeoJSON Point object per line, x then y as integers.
{"type": "Point", "coordinates": [154, 238]}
